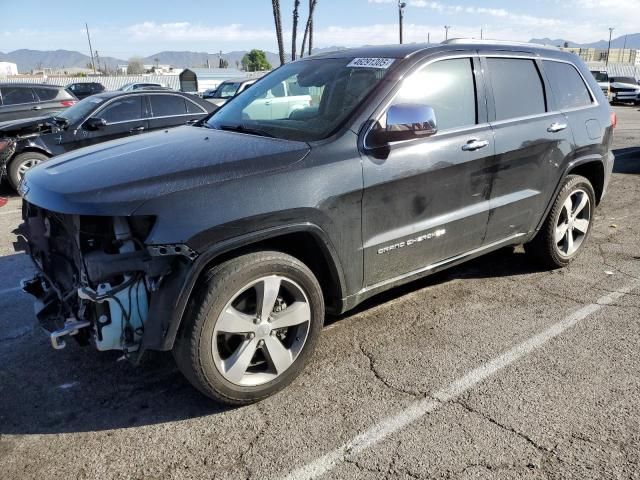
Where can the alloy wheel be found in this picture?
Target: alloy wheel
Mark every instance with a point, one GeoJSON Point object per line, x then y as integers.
{"type": "Point", "coordinates": [261, 331]}
{"type": "Point", "coordinates": [573, 223]}
{"type": "Point", "coordinates": [26, 165]}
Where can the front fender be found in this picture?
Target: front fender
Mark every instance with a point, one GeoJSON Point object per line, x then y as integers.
{"type": "Point", "coordinates": [167, 310]}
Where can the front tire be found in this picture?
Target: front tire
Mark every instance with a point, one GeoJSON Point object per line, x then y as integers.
{"type": "Point", "coordinates": [250, 327]}
{"type": "Point", "coordinates": [21, 164]}
{"type": "Point", "coordinates": [568, 224]}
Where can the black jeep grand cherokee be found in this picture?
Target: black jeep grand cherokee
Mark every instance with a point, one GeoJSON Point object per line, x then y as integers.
{"type": "Point", "coordinates": [226, 242]}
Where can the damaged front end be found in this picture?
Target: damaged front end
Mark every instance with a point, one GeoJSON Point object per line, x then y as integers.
{"type": "Point", "coordinates": [7, 149]}
{"type": "Point", "coordinates": [96, 277]}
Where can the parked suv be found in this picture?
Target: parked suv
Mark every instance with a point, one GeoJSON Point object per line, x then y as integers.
{"type": "Point", "coordinates": [227, 242]}
{"type": "Point", "coordinates": [93, 120]}
{"type": "Point", "coordinates": [625, 90]}
{"type": "Point", "coordinates": [227, 90]}
{"type": "Point", "coordinates": [23, 100]}
{"type": "Point", "coordinates": [85, 89]}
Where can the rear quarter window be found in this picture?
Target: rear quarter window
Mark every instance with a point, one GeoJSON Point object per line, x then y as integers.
{"type": "Point", "coordinates": [568, 87]}
{"type": "Point", "coordinates": [45, 94]}
{"type": "Point", "coordinates": [517, 88]}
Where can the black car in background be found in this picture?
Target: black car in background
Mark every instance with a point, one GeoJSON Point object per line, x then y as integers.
{"type": "Point", "coordinates": [95, 119]}
{"type": "Point", "coordinates": [85, 89]}
{"type": "Point", "coordinates": [23, 100]}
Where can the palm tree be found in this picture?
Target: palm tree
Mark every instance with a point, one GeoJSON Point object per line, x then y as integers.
{"type": "Point", "coordinates": [276, 18]}
{"type": "Point", "coordinates": [309, 27]}
{"type": "Point", "coordinates": [294, 32]}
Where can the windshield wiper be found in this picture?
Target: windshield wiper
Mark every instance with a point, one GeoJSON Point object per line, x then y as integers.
{"type": "Point", "coordinates": [242, 129]}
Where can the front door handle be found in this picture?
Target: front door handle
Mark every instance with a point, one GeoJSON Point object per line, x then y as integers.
{"type": "Point", "coordinates": [474, 144]}
{"type": "Point", "coordinates": [136, 129]}
{"type": "Point", "coordinates": [37, 107]}
{"type": "Point", "coordinates": [556, 127]}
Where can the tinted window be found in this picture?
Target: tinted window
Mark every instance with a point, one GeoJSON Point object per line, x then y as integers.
{"type": "Point", "coordinates": [123, 110]}
{"type": "Point", "coordinates": [447, 87]}
{"type": "Point", "coordinates": [45, 94]}
{"type": "Point", "coordinates": [167, 105]}
{"type": "Point", "coordinates": [600, 76]}
{"type": "Point", "coordinates": [517, 87]}
{"type": "Point", "coordinates": [17, 95]}
{"type": "Point", "coordinates": [567, 85]}
{"type": "Point", "coordinates": [192, 107]}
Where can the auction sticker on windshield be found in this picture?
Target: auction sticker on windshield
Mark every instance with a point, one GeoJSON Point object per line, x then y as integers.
{"type": "Point", "coordinates": [371, 63]}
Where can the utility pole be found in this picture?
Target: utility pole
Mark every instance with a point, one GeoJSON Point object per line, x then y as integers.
{"type": "Point", "coordinates": [481, 35]}
{"type": "Point", "coordinates": [98, 60]}
{"type": "Point", "coordinates": [401, 6]}
{"type": "Point", "coordinates": [428, 37]}
{"type": "Point", "coordinates": [93, 65]}
{"type": "Point", "coordinates": [446, 32]}
{"type": "Point", "coordinates": [609, 47]}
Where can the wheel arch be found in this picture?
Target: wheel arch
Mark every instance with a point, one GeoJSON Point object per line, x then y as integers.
{"type": "Point", "coordinates": [306, 242]}
{"type": "Point", "coordinates": [592, 170]}
{"type": "Point", "coordinates": [590, 167]}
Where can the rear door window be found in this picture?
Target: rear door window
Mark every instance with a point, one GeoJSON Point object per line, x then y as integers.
{"type": "Point", "coordinates": [167, 105]}
{"type": "Point", "coordinates": [448, 87]}
{"type": "Point", "coordinates": [568, 86]}
{"type": "Point", "coordinates": [517, 88]}
{"type": "Point", "coordinates": [17, 95]}
{"type": "Point", "coordinates": [123, 110]}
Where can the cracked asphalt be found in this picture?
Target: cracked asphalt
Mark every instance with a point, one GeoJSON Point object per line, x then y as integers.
{"type": "Point", "coordinates": [569, 409]}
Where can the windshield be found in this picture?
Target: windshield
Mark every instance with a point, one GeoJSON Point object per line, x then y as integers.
{"type": "Point", "coordinates": [80, 110]}
{"type": "Point", "coordinates": [226, 90]}
{"type": "Point", "coordinates": [305, 100]}
{"type": "Point", "coordinates": [601, 76]}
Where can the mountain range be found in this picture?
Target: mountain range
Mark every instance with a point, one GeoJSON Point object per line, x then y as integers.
{"type": "Point", "coordinates": [28, 60]}
{"type": "Point", "coordinates": [632, 41]}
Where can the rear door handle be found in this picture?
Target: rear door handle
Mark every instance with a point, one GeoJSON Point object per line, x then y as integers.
{"type": "Point", "coordinates": [474, 144]}
{"type": "Point", "coordinates": [36, 108]}
{"type": "Point", "coordinates": [556, 127]}
{"type": "Point", "coordinates": [136, 129]}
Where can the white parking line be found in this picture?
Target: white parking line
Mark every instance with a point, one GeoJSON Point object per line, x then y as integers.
{"type": "Point", "coordinates": [10, 290]}
{"type": "Point", "coordinates": [415, 411]}
{"type": "Point", "coordinates": [9, 212]}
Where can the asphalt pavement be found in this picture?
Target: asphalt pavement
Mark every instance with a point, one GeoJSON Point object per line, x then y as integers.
{"type": "Point", "coordinates": [495, 369]}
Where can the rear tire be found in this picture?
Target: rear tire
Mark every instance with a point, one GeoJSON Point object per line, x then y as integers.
{"type": "Point", "coordinates": [250, 327]}
{"type": "Point", "coordinates": [20, 164]}
{"type": "Point", "coordinates": [567, 226]}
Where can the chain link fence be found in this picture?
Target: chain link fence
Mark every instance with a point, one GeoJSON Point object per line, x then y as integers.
{"type": "Point", "coordinates": [109, 82]}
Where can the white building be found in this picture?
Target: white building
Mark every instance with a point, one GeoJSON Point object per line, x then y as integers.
{"type": "Point", "coordinates": [8, 68]}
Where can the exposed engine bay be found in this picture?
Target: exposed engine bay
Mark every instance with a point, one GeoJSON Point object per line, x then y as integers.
{"type": "Point", "coordinates": [96, 277]}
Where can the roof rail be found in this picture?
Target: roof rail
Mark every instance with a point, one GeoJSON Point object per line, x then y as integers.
{"type": "Point", "coordinates": [475, 41]}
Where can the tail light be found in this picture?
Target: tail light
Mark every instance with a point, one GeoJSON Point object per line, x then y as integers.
{"type": "Point", "coordinates": [614, 119]}
{"type": "Point", "coordinates": [68, 103]}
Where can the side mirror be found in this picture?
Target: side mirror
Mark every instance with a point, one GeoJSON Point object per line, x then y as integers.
{"type": "Point", "coordinates": [406, 121]}
{"type": "Point", "coordinates": [95, 123]}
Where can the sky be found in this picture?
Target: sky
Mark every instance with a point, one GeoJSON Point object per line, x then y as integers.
{"type": "Point", "coordinates": [139, 27]}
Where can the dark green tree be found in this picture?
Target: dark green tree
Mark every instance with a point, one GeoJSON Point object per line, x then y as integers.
{"type": "Point", "coordinates": [255, 60]}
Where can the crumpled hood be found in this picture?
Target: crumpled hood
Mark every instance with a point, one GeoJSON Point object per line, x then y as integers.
{"type": "Point", "coordinates": [24, 126]}
{"type": "Point", "coordinates": [116, 177]}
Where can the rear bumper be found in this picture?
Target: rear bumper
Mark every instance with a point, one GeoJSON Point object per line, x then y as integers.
{"type": "Point", "coordinates": [608, 169]}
